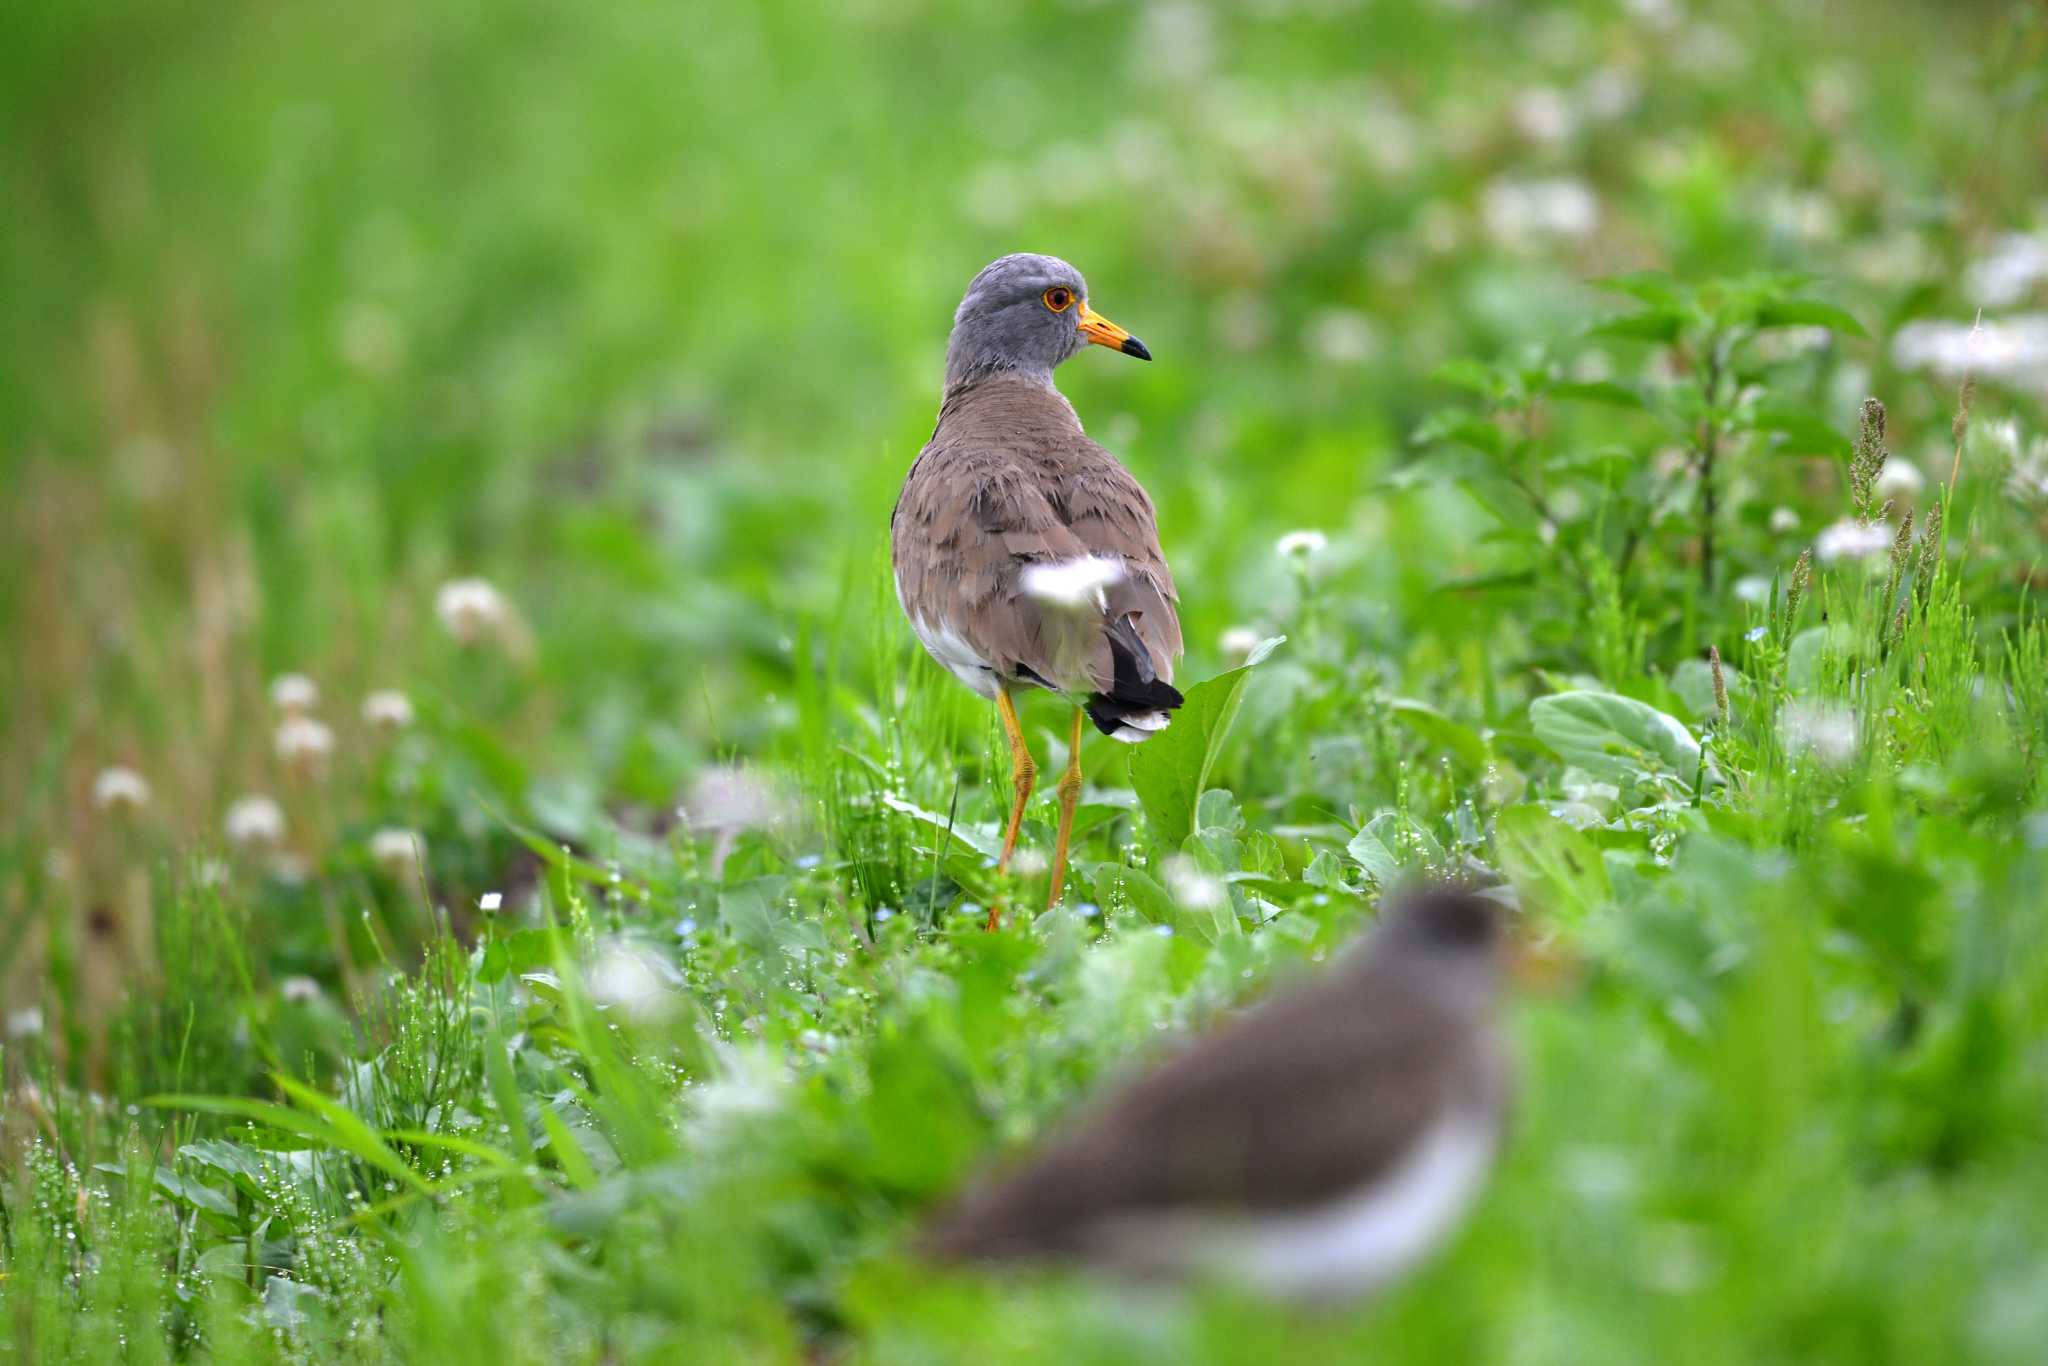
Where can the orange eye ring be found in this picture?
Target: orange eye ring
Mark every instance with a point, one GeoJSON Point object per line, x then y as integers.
{"type": "Point", "coordinates": [1059, 298]}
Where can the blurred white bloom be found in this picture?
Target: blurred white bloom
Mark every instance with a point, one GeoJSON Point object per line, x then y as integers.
{"type": "Point", "coordinates": [629, 978]}
{"type": "Point", "coordinates": [1803, 216]}
{"type": "Point", "coordinates": [750, 1081]}
{"type": "Point", "coordinates": [294, 693]}
{"type": "Point", "coordinates": [303, 742]}
{"type": "Point", "coordinates": [1849, 539]}
{"type": "Point", "coordinates": [2018, 261]}
{"type": "Point", "coordinates": [387, 710]}
{"type": "Point", "coordinates": [470, 609]}
{"type": "Point", "coordinates": [289, 869]}
{"type": "Point", "coordinates": [1175, 41]}
{"type": "Point", "coordinates": [370, 337]}
{"type": "Point", "coordinates": [1191, 887]}
{"type": "Point", "coordinates": [24, 1022]}
{"type": "Point", "coordinates": [299, 989]}
{"type": "Point", "coordinates": [2027, 471]}
{"type": "Point", "coordinates": [490, 902]}
{"type": "Point", "coordinates": [254, 821]}
{"type": "Point", "coordinates": [1029, 862]}
{"type": "Point", "coordinates": [1543, 114]}
{"type": "Point", "coordinates": [120, 789]}
{"type": "Point", "coordinates": [1663, 14]}
{"type": "Point", "coordinates": [2012, 349]}
{"type": "Point", "coordinates": [727, 800]}
{"type": "Point", "coordinates": [1237, 642]}
{"type": "Point", "coordinates": [1824, 730]}
{"type": "Point", "coordinates": [1301, 545]}
{"type": "Point", "coordinates": [401, 853]}
{"type": "Point", "coordinates": [1342, 336]}
{"type": "Point", "coordinates": [1784, 520]}
{"type": "Point", "coordinates": [1073, 583]}
{"type": "Point", "coordinates": [1752, 588]}
{"type": "Point", "coordinates": [1438, 227]}
{"type": "Point", "coordinates": [1517, 211]}
{"type": "Point", "coordinates": [1609, 93]}
{"type": "Point", "coordinates": [1900, 478]}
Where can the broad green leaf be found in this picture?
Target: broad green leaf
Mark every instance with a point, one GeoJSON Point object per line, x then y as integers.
{"type": "Point", "coordinates": [1441, 731]}
{"type": "Point", "coordinates": [1657, 325]}
{"type": "Point", "coordinates": [1615, 737]}
{"type": "Point", "coordinates": [1551, 864]}
{"type": "Point", "coordinates": [1808, 313]}
{"type": "Point", "coordinates": [1171, 770]}
{"type": "Point", "coordinates": [1389, 842]}
{"type": "Point", "coordinates": [1597, 391]}
{"type": "Point", "coordinates": [963, 834]}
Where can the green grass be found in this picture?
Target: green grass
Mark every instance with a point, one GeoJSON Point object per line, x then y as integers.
{"type": "Point", "coordinates": [637, 313]}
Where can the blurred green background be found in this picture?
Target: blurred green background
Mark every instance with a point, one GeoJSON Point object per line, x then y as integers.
{"type": "Point", "coordinates": [556, 366]}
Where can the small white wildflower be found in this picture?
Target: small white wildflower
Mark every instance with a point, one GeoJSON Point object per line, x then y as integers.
{"type": "Point", "coordinates": [1301, 545]}
{"type": "Point", "coordinates": [24, 1022]}
{"type": "Point", "coordinates": [304, 743]}
{"type": "Point", "coordinates": [1784, 521]}
{"type": "Point", "coordinates": [1073, 583]}
{"type": "Point", "coordinates": [1029, 862]}
{"type": "Point", "coordinates": [1900, 479]}
{"type": "Point", "coordinates": [294, 694]}
{"type": "Point", "coordinates": [2013, 349]}
{"type": "Point", "coordinates": [118, 788]}
{"type": "Point", "coordinates": [1849, 539]}
{"type": "Point", "coordinates": [254, 821]}
{"type": "Point", "coordinates": [1824, 730]}
{"type": "Point", "coordinates": [1342, 336]}
{"type": "Point", "coordinates": [2018, 261]}
{"type": "Point", "coordinates": [1543, 114]}
{"type": "Point", "coordinates": [1237, 642]}
{"type": "Point", "coordinates": [299, 989]}
{"type": "Point", "coordinates": [1191, 887]}
{"type": "Point", "coordinates": [387, 710]}
{"type": "Point", "coordinates": [470, 609]}
{"type": "Point", "coordinates": [490, 902]}
{"type": "Point", "coordinates": [1753, 588]}
{"type": "Point", "coordinates": [399, 852]}
{"type": "Point", "coordinates": [726, 801]}
{"type": "Point", "coordinates": [629, 979]}
{"type": "Point", "coordinates": [1517, 211]}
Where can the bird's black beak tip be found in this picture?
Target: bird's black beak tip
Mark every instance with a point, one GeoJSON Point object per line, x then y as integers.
{"type": "Point", "coordinates": [1133, 347]}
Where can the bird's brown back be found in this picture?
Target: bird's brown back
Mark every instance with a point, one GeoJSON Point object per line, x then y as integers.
{"type": "Point", "coordinates": [1007, 480]}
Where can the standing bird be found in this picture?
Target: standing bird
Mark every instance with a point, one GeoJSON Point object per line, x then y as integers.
{"type": "Point", "coordinates": [1314, 1148]}
{"type": "Point", "coordinates": [1025, 555]}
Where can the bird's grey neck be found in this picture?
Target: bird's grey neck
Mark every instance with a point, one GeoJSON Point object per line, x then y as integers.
{"type": "Point", "coordinates": [964, 370]}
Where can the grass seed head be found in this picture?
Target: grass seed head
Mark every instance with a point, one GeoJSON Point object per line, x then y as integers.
{"type": "Point", "coordinates": [1720, 682]}
{"type": "Point", "coordinates": [1868, 460]}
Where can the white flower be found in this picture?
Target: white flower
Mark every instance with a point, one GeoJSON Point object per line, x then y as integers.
{"type": "Point", "coordinates": [120, 789]}
{"type": "Point", "coordinates": [490, 902]}
{"type": "Point", "coordinates": [2012, 349]}
{"type": "Point", "coordinates": [289, 869]}
{"type": "Point", "coordinates": [1900, 479]}
{"type": "Point", "coordinates": [1301, 545]}
{"type": "Point", "coordinates": [1191, 887]}
{"type": "Point", "coordinates": [387, 710]}
{"type": "Point", "coordinates": [1237, 642]}
{"type": "Point", "coordinates": [1543, 114]}
{"type": "Point", "coordinates": [1824, 730]}
{"type": "Point", "coordinates": [631, 980]}
{"type": "Point", "coordinates": [24, 1022]}
{"type": "Point", "coordinates": [1342, 336]}
{"type": "Point", "coordinates": [728, 800]}
{"type": "Point", "coordinates": [299, 989]}
{"type": "Point", "coordinates": [254, 821]}
{"type": "Point", "coordinates": [470, 609]}
{"type": "Point", "coordinates": [2018, 261]}
{"type": "Point", "coordinates": [1516, 211]}
{"type": "Point", "coordinates": [1073, 583]}
{"type": "Point", "coordinates": [1849, 539]}
{"type": "Point", "coordinates": [294, 694]}
{"type": "Point", "coordinates": [303, 742]}
{"type": "Point", "coordinates": [1784, 521]}
{"type": "Point", "coordinates": [399, 852]}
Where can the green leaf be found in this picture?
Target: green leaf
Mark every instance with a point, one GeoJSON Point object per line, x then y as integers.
{"type": "Point", "coordinates": [1550, 864]}
{"type": "Point", "coordinates": [1801, 432]}
{"type": "Point", "coordinates": [1808, 313]}
{"type": "Point", "coordinates": [1390, 841]}
{"type": "Point", "coordinates": [1615, 737]}
{"type": "Point", "coordinates": [1441, 731]}
{"type": "Point", "coordinates": [964, 835]}
{"type": "Point", "coordinates": [1657, 325]}
{"type": "Point", "coordinates": [1171, 770]}
{"type": "Point", "coordinates": [1598, 391]}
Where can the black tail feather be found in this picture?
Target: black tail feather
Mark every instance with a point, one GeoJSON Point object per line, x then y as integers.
{"type": "Point", "coordinates": [1135, 686]}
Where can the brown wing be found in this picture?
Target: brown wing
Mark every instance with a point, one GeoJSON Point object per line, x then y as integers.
{"type": "Point", "coordinates": [1296, 1102]}
{"type": "Point", "coordinates": [1009, 480]}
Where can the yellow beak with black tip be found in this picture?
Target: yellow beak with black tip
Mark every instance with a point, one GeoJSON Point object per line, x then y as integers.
{"type": "Point", "coordinates": [1103, 332]}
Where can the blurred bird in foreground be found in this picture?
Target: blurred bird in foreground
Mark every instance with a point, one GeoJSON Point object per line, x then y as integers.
{"type": "Point", "coordinates": [1313, 1149]}
{"type": "Point", "coordinates": [1024, 554]}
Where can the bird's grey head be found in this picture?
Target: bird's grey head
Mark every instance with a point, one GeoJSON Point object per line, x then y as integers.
{"type": "Point", "coordinates": [1023, 315]}
{"type": "Point", "coordinates": [1458, 937]}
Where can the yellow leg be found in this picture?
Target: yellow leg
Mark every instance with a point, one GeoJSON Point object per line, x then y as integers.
{"type": "Point", "coordinates": [1070, 793]}
{"type": "Point", "coordinates": [1024, 776]}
